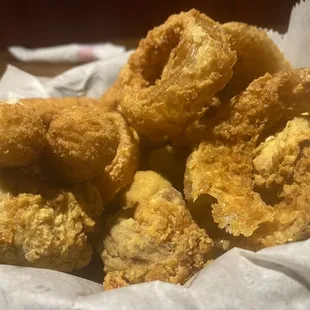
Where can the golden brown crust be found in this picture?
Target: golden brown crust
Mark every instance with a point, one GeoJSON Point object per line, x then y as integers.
{"type": "Point", "coordinates": [81, 143]}
{"type": "Point", "coordinates": [44, 226]}
{"type": "Point", "coordinates": [48, 107]}
{"type": "Point", "coordinates": [257, 55]}
{"type": "Point", "coordinates": [281, 166]}
{"type": "Point", "coordinates": [222, 166]}
{"type": "Point", "coordinates": [160, 241]}
{"type": "Point", "coordinates": [174, 73]}
{"type": "Point", "coordinates": [145, 184]}
{"type": "Point", "coordinates": [22, 135]}
{"type": "Point", "coordinates": [121, 170]}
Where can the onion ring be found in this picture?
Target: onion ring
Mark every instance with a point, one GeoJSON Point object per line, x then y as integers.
{"type": "Point", "coordinates": [257, 55]}
{"type": "Point", "coordinates": [174, 73]}
{"type": "Point", "coordinates": [122, 169]}
{"type": "Point", "coordinates": [222, 165]}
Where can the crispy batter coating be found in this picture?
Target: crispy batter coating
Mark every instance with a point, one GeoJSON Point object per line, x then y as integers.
{"type": "Point", "coordinates": [257, 55]}
{"type": "Point", "coordinates": [156, 241]}
{"type": "Point", "coordinates": [81, 143]}
{"type": "Point", "coordinates": [275, 159]}
{"type": "Point", "coordinates": [170, 162]}
{"type": "Point", "coordinates": [48, 107]}
{"type": "Point", "coordinates": [174, 73]}
{"type": "Point", "coordinates": [222, 166]}
{"type": "Point", "coordinates": [145, 184]}
{"type": "Point", "coordinates": [197, 131]}
{"type": "Point", "coordinates": [282, 168]}
{"type": "Point", "coordinates": [121, 170]}
{"type": "Point", "coordinates": [22, 135]}
{"type": "Point", "coordinates": [224, 172]}
{"type": "Point", "coordinates": [44, 226]}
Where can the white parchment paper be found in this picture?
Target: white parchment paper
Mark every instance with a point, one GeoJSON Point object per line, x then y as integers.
{"type": "Point", "coordinates": [273, 278]}
{"type": "Point", "coordinates": [67, 53]}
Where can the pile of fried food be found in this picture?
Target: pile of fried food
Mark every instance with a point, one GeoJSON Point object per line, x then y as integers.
{"type": "Point", "coordinates": [201, 145]}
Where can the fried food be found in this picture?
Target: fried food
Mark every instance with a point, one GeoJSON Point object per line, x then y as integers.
{"type": "Point", "coordinates": [170, 162]}
{"type": "Point", "coordinates": [275, 159]}
{"type": "Point", "coordinates": [81, 143]}
{"type": "Point", "coordinates": [22, 135]}
{"type": "Point", "coordinates": [174, 73]}
{"type": "Point", "coordinates": [197, 131]}
{"type": "Point", "coordinates": [120, 172]}
{"type": "Point", "coordinates": [222, 166]}
{"type": "Point", "coordinates": [145, 184]}
{"type": "Point", "coordinates": [257, 55]}
{"type": "Point", "coordinates": [156, 241]}
{"type": "Point", "coordinates": [44, 226]}
{"type": "Point", "coordinates": [281, 166]}
{"type": "Point", "coordinates": [48, 107]}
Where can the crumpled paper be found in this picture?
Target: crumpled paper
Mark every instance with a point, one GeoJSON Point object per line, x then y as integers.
{"type": "Point", "coordinates": [67, 53]}
{"type": "Point", "coordinates": [90, 80]}
{"type": "Point", "coordinates": [273, 278]}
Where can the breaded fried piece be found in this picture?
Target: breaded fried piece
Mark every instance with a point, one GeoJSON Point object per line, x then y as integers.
{"type": "Point", "coordinates": [44, 226]}
{"type": "Point", "coordinates": [48, 107]}
{"type": "Point", "coordinates": [145, 184]}
{"type": "Point", "coordinates": [81, 143]}
{"type": "Point", "coordinates": [257, 55]}
{"type": "Point", "coordinates": [156, 241]}
{"type": "Point", "coordinates": [292, 212]}
{"type": "Point", "coordinates": [222, 165]}
{"type": "Point", "coordinates": [22, 135]}
{"type": "Point", "coordinates": [120, 172]}
{"type": "Point", "coordinates": [275, 159]}
{"type": "Point", "coordinates": [282, 175]}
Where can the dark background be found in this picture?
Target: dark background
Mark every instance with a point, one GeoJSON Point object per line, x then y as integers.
{"type": "Point", "coordinates": [48, 22]}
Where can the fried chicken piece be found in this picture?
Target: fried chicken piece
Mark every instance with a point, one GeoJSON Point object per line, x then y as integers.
{"type": "Point", "coordinates": [222, 165]}
{"type": "Point", "coordinates": [145, 184]}
{"type": "Point", "coordinates": [257, 55]}
{"type": "Point", "coordinates": [156, 241]}
{"type": "Point", "coordinates": [120, 172]}
{"type": "Point", "coordinates": [275, 159]}
{"type": "Point", "coordinates": [47, 108]}
{"type": "Point", "coordinates": [22, 135]}
{"type": "Point", "coordinates": [170, 162]}
{"type": "Point", "coordinates": [81, 143]}
{"type": "Point", "coordinates": [44, 226]}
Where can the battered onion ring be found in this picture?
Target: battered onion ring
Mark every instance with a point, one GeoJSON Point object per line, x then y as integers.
{"type": "Point", "coordinates": [124, 165]}
{"type": "Point", "coordinates": [257, 55]}
{"type": "Point", "coordinates": [174, 73]}
{"type": "Point", "coordinates": [22, 135]}
{"type": "Point", "coordinates": [222, 166]}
